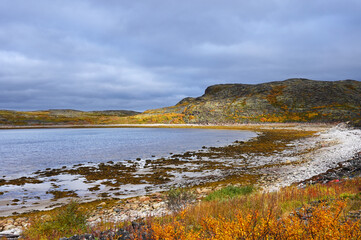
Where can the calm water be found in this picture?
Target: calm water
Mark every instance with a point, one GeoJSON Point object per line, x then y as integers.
{"type": "Point", "coordinates": [24, 151]}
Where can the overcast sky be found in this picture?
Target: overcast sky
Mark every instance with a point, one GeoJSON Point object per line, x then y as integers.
{"type": "Point", "coordinates": [143, 54]}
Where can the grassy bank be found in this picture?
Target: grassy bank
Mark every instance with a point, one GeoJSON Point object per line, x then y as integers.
{"type": "Point", "coordinates": [315, 212]}
{"type": "Point", "coordinates": [322, 211]}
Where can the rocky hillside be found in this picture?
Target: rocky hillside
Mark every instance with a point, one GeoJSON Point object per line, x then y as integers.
{"type": "Point", "coordinates": [292, 100]}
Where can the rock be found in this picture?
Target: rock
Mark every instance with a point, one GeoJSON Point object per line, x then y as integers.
{"type": "Point", "coordinates": [92, 219]}
{"type": "Point", "coordinates": [133, 206]}
{"type": "Point", "coordinates": [346, 169]}
{"type": "Point", "coordinates": [144, 199]}
{"type": "Point", "coordinates": [354, 215]}
{"type": "Point", "coordinates": [9, 236]}
{"type": "Point", "coordinates": [123, 234]}
{"type": "Point", "coordinates": [117, 210]}
{"type": "Point", "coordinates": [11, 232]}
{"type": "Point", "coordinates": [9, 227]}
{"type": "Point", "coordinates": [137, 225]}
{"type": "Point", "coordinates": [157, 195]}
{"type": "Point", "coordinates": [9, 221]}
{"type": "Point", "coordinates": [80, 237]}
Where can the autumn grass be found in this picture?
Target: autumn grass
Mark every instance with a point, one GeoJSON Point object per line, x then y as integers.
{"type": "Point", "coordinates": [320, 211]}
{"type": "Point", "coordinates": [315, 212]}
{"type": "Point", "coordinates": [64, 222]}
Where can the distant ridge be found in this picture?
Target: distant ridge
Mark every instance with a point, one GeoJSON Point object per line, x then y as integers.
{"type": "Point", "coordinates": [62, 117]}
{"type": "Point", "coordinates": [291, 100]}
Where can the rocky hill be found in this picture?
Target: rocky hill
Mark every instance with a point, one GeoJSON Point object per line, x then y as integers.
{"type": "Point", "coordinates": [292, 100]}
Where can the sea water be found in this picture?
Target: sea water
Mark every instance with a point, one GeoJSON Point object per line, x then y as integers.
{"type": "Point", "coordinates": [24, 151]}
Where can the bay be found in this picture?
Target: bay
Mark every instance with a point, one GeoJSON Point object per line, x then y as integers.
{"type": "Point", "coordinates": [24, 151]}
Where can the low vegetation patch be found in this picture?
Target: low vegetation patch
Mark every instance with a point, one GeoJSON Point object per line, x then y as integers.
{"type": "Point", "coordinates": [229, 192]}
{"type": "Point", "coordinates": [179, 198]}
{"type": "Point", "coordinates": [321, 211]}
{"type": "Point", "coordinates": [64, 222]}
{"type": "Point", "coordinates": [316, 212]}
{"type": "Point", "coordinates": [319, 222]}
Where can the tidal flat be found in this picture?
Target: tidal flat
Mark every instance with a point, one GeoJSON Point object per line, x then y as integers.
{"type": "Point", "coordinates": [279, 155]}
{"type": "Point", "coordinates": [92, 163]}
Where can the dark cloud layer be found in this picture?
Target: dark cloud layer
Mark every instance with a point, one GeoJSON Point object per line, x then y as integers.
{"type": "Point", "coordinates": [90, 54]}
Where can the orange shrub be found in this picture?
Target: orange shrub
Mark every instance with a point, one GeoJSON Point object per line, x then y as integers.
{"type": "Point", "coordinates": [320, 222]}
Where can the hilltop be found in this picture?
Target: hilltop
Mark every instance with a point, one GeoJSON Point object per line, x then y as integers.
{"type": "Point", "coordinates": [292, 100]}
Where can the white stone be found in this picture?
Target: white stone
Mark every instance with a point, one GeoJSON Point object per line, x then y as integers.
{"type": "Point", "coordinates": [15, 231]}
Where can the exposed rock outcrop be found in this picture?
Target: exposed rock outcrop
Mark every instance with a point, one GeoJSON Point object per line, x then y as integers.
{"type": "Point", "coordinates": [292, 100]}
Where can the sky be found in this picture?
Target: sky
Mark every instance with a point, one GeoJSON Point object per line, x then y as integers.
{"type": "Point", "coordinates": [146, 54]}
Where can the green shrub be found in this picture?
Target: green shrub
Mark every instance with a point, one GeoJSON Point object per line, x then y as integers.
{"type": "Point", "coordinates": [348, 196]}
{"type": "Point", "coordinates": [179, 198]}
{"type": "Point", "coordinates": [64, 222]}
{"type": "Point", "coordinates": [229, 192]}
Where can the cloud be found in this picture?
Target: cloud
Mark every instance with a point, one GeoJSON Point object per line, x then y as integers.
{"type": "Point", "coordinates": [138, 55]}
{"type": "Point", "coordinates": [239, 50]}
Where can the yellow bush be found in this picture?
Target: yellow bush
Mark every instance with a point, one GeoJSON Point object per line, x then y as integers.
{"type": "Point", "coordinates": [320, 222]}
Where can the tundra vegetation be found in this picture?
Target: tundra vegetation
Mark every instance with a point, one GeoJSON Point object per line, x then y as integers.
{"type": "Point", "coordinates": [320, 211]}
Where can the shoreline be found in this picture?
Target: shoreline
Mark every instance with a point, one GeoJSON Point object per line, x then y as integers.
{"type": "Point", "coordinates": [83, 181]}
{"type": "Point", "coordinates": [331, 149]}
{"type": "Point", "coordinates": [165, 125]}
{"type": "Point", "coordinates": [320, 143]}
{"type": "Point", "coordinates": [214, 177]}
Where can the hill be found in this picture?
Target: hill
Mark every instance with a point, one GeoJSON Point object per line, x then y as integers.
{"type": "Point", "coordinates": [62, 116]}
{"type": "Point", "coordinates": [292, 100]}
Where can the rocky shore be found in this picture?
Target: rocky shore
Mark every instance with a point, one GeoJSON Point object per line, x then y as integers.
{"type": "Point", "coordinates": [326, 150]}
{"type": "Point", "coordinates": [131, 210]}
{"type": "Point", "coordinates": [336, 152]}
{"type": "Point", "coordinates": [347, 169]}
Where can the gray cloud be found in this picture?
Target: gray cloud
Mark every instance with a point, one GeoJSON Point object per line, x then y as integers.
{"type": "Point", "coordinates": [91, 54]}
